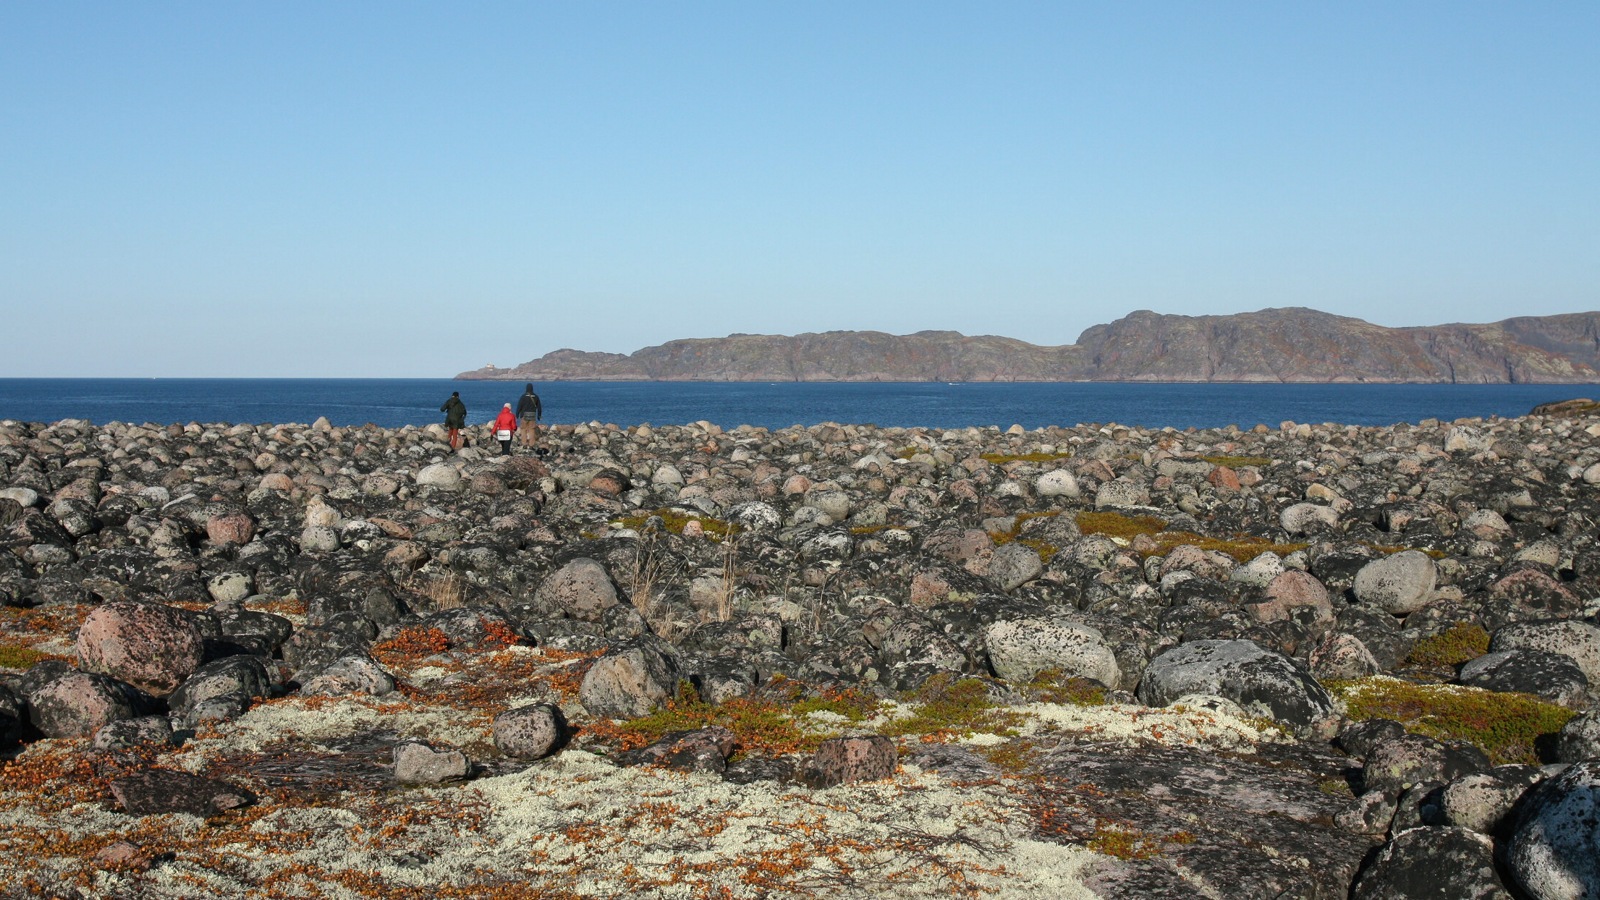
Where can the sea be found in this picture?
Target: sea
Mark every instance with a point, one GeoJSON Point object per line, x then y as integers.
{"type": "Point", "coordinates": [394, 402]}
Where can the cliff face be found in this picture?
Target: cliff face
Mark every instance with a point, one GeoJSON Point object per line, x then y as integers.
{"type": "Point", "coordinates": [1272, 345]}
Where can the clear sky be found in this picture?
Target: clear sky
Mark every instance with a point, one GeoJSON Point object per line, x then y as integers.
{"type": "Point", "coordinates": [397, 189]}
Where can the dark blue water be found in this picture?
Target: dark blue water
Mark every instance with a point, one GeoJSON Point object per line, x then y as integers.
{"type": "Point", "coordinates": [394, 402]}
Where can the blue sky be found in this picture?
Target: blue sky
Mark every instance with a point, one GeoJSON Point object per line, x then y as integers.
{"type": "Point", "coordinates": [415, 189]}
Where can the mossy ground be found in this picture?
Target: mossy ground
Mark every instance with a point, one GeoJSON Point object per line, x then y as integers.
{"type": "Point", "coordinates": [1508, 727]}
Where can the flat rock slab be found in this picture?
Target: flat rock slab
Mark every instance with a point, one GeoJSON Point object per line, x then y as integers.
{"type": "Point", "coordinates": [1204, 823]}
{"type": "Point", "coordinates": [157, 791]}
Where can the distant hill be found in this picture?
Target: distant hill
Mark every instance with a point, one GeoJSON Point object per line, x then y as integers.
{"type": "Point", "coordinates": [1271, 345]}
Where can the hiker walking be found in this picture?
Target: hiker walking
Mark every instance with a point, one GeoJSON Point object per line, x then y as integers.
{"type": "Point", "coordinates": [505, 425]}
{"type": "Point", "coordinates": [529, 412]}
{"type": "Point", "coordinates": [455, 416]}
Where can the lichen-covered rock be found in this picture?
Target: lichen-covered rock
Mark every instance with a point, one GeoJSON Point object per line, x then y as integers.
{"type": "Point", "coordinates": [231, 674]}
{"type": "Point", "coordinates": [441, 476]}
{"type": "Point", "coordinates": [1014, 565]}
{"type": "Point", "coordinates": [1552, 676]}
{"type": "Point", "coordinates": [1553, 851]}
{"type": "Point", "coordinates": [1260, 681]}
{"type": "Point", "coordinates": [582, 588]}
{"type": "Point", "coordinates": [418, 762]}
{"type": "Point", "coordinates": [150, 646]}
{"type": "Point", "coordinates": [1432, 864]}
{"type": "Point", "coordinates": [529, 732]}
{"type": "Point", "coordinates": [138, 731]}
{"type": "Point", "coordinates": [1579, 739]}
{"type": "Point", "coordinates": [1399, 584]}
{"type": "Point", "coordinates": [1395, 763]}
{"type": "Point", "coordinates": [356, 674]}
{"type": "Point", "coordinates": [631, 679]}
{"type": "Point", "coordinates": [1019, 649]}
{"type": "Point", "coordinates": [1579, 641]}
{"type": "Point", "coordinates": [846, 759]}
{"type": "Point", "coordinates": [1479, 800]}
{"type": "Point", "coordinates": [160, 791]}
{"type": "Point", "coordinates": [703, 750]}
{"type": "Point", "coordinates": [79, 704]}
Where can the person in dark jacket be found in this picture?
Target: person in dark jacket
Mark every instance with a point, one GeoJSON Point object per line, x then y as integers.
{"type": "Point", "coordinates": [529, 412]}
{"type": "Point", "coordinates": [505, 425]}
{"type": "Point", "coordinates": [455, 417]}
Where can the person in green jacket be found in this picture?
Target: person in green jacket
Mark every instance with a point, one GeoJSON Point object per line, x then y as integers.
{"type": "Point", "coordinates": [455, 417]}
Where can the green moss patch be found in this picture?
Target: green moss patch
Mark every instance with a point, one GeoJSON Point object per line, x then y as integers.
{"type": "Point", "coordinates": [1462, 642]}
{"type": "Point", "coordinates": [1505, 725]}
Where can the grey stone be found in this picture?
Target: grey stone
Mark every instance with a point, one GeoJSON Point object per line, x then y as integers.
{"type": "Point", "coordinates": [1019, 649]}
{"type": "Point", "coordinates": [1553, 852]}
{"type": "Point", "coordinates": [529, 732]}
{"type": "Point", "coordinates": [582, 588]}
{"type": "Point", "coordinates": [1260, 681]}
{"type": "Point", "coordinates": [631, 679]}
{"type": "Point", "coordinates": [1399, 584]}
{"type": "Point", "coordinates": [1432, 864]}
{"type": "Point", "coordinates": [418, 762]}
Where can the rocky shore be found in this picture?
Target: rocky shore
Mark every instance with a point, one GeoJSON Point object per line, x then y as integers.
{"type": "Point", "coordinates": [676, 661]}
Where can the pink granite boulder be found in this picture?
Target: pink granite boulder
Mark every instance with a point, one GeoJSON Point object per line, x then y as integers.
{"type": "Point", "coordinates": [150, 646]}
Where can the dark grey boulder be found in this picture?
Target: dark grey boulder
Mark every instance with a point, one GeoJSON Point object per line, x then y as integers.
{"type": "Point", "coordinates": [1396, 763]}
{"type": "Point", "coordinates": [1432, 864]}
{"type": "Point", "coordinates": [1553, 851]}
{"type": "Point", "coordinates": [247, 675]}
{"type": "Point", "coordinates": [1261, 682]}
{"type": "Point", "coordinates": [1579, 739]}
{"type": "Point", "coordinates": [1552, 676]}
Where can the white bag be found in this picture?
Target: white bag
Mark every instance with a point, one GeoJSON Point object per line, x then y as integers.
{"type": "Point", "coordinates": [503, 434]}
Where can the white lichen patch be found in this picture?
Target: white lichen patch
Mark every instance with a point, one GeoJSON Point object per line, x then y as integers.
{"type": "Point", "coordinates": [576, 825]}
{"type": "Point", "coordinates": [319, 721]}
{"type": "Point", "coordinates": [1170, 726]}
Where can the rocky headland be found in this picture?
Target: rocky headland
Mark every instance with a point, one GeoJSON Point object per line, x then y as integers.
{"type": "Point", "coordinates": [1291, 660]}
{"type": "Point", "coordinates": [1271, 345]}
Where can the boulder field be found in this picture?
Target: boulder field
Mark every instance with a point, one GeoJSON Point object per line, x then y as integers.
{"type": "Point", "coordinates": [841, 660]}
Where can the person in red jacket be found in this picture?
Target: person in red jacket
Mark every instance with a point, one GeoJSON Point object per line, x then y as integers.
{"type": "Point", "coordinates": [505, 426]}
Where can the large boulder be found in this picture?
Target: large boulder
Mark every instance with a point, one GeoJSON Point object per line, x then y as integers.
{"type": "Point", "coordinates": [1019, 649]}
{"type": "Point", "coordinates": [1405, 760]}
{"type": "Point", "coordinates": [631, 679]}
{"type": "Point", "coordinates": [442, 476]}
{"type": "Point", "coordinates": [582, 589]}
{"type": "Point", "coordinates": [1579, 641]}
{"type": "Point", "coordinates": [1551, 676]}
{"type": "Point", "coordinates": [1260, 681]}
{"type": "Point", "coordinates": [1579, 739]}
{"type": "Point", "coordinates": [150, 646]}
{"type": "Point", "coordinates": [1480, 800]}
{"type": "Point", "coordinates": [1399, 584]}
{"type": "Point", "coordinates": [1432, 864]}
{"type": "Point", "coordinates": [80, 703]}
{"type": "Point", "coordinates": [247, 675]}
{"type": "Point", "coordinates": [1553, 852]}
